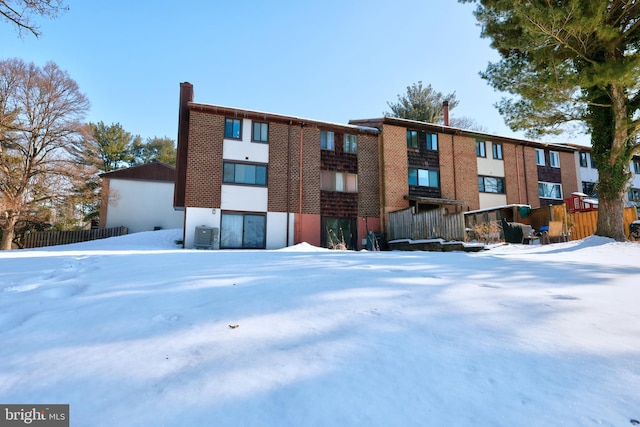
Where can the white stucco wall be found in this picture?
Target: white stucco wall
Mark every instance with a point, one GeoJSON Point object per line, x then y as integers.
{"type": "Point", "coordinates": [195, 217]}
{"type": "Point", "coordinates": [244, 150]}
{"type": "Point", "coordinates": [490, 200]}
{"type": "Point", "coordinates": [488, 166]}
{"type": "Point", "coordinates": [276, 226]}
{"type": "Point", "coordinates": [244, 198]}
{"type": "Point", "coordinates": [277, 230]}
{"type": "Point", "coordinates": [142, 205]}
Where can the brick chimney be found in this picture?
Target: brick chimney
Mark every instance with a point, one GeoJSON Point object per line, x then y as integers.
{"type": "Point", "coordinates": [445, 110]}
{"type": "Point", "coordinates": [186, 96]}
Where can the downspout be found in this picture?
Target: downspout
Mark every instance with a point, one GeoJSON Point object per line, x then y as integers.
{"type": "Point", "coordinates": [518, 175]}
{"type": "Point", "coordinates": [288, 181]}
{"type": "Point", "coordinates": [299, 240]}
{"type": "Point", "coordinates": [381, 183]}
{"type": "Point", "coordinates": [453, 161]}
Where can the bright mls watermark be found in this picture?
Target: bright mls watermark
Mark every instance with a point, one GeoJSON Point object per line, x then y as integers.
{"type": "Point", "coordinates": [34, 415]}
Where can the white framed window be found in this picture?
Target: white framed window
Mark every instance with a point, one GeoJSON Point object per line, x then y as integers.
{"type": "Point", "coordinates": [554, 159]}
{"type": "Point", "coordinates": [550, 190]}
{"type": "Point", "coordinates": [540, 157]}
{"type": "Point", "coordinates": [636, 166]}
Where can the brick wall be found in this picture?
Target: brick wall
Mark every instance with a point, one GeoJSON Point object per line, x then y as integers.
{"type": "Point", "coordinates": [459, 169]}
{"type": "Point", "coordinates": [569, 174]}
{"type": "Point", "coordinates": [311, 170]}
{"type": "Point", "coordinates": [204, 160]}
{"type": "Point", "coordinates": [394, 166]}
{"type": "Point", "coordinates": [514, 174]}
{"type": "Point", "coordinates": [368, 176]}
{"type": "Point", "coordinates": [279, 188]}
{"type": "Point", "coordinates": [531, 176]}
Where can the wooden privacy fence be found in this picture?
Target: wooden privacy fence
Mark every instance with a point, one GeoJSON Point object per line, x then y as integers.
{"type": "Point", "coordinates": [432, 224]}
{"type": "Point", "coordinates": [578, 224]}
{"type": "Point", "coordinates": [53, 238]}
{"type": "Point", "coordinates": [583, 224]}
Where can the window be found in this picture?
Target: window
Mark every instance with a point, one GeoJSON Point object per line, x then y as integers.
{"type": "Point", "coordinates": [412, 138]}
{"type": "Point", "coordinates": [593, 163]}
{"type": "Point", "coordinates": [242, 231]}
{"type": "Point", "coordinates": [497, 150]}
{"type": "Point", "coordinates": [350, 144]}
{"type": "Point", "coordinates": [233, 128]}
{"type": "Point", "coordinates": [549, 190]}
{"type": "Point", "coordinates": [539, 157]}
{"type": "Point", "coordinates": [432, 141]}
{"type": "Point", "coordinates": [423, 178]}
{"type": "Point", "coordinates": [589, 188]}
{"type": "Point", "coordinates": [636, 166]}
{"type": "Point", "coordinates": [481, 149]}
{"type": "Point", "coordinates": [339, 181]}
{"type": "Point", "coordinates": [260, 132]}
{"type": "Point", "coordinates": [554, 159]}
{"type": "Point", "coordinates": [240, 173]}
{"type": "Point", "coordinates": [634, 195]}
{"type": "Point", "coordinates": [491, 184]}
{"type": "Point", "coordinates": [583, 160]}
{"type": "Point", "coordinates": [326, 140]}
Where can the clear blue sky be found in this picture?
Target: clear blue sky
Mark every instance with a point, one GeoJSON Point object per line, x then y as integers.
{"type": "Point", "coordinates": [326, 60]}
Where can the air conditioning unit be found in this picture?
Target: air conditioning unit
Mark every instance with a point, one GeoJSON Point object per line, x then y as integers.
{"type": "Point", "coordinates": [205, 237]}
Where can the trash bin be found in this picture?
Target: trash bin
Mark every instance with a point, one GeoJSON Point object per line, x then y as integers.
{"type": "Point", "coordinates": [634, 229]}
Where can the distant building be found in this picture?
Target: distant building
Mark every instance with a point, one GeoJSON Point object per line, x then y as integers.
{"type": "Point", "coordinates": [139, 198]}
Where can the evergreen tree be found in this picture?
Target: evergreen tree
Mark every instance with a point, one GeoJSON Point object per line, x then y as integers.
{"type": "Point", "coordinates": [572, 61]}
{"type": "Point", "coordinates": [423, 104]}
{"type": "Point", "coordinates": [114, 145]}
{"type": "Point", "coordinates": [155, 150]}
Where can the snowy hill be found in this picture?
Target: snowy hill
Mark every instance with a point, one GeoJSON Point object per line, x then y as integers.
{"type": "Point", "coordinates": [134, 331]}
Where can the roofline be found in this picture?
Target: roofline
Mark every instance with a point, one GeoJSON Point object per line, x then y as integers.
{"type": "Point", "coordinates": [278, 118]}
{"type": "Point", "coordinates": [377, 122]}
{"type": "Point", "coordinates": [102, 175]}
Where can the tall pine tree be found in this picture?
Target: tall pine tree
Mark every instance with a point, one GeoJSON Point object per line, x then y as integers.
{"type": "Point", "coordinates": [572, 61]}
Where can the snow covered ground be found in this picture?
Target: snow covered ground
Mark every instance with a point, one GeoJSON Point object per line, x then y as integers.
{"type": "Point", "coordinates": [133, 331]}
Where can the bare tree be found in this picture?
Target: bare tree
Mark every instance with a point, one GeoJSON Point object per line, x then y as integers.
{"type": "Point", "coordinates": [21, 12]}
{"type": "Point", "coordinates": [42, 135]}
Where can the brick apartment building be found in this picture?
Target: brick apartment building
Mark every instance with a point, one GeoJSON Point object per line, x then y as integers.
{"type": "Point", "coordinates": [430, 166]}
{"type": "Point", "coordinates": [264, 180]}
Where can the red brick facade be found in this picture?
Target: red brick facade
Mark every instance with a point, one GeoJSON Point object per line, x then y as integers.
{"type": "Point", "coordinates": [204, 160]}
{"type": "Point", "coordinates": [295, 162]}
